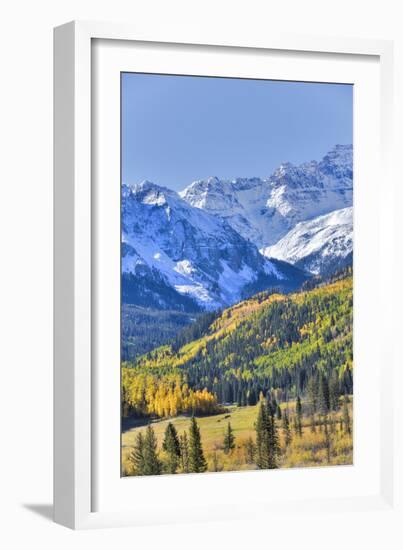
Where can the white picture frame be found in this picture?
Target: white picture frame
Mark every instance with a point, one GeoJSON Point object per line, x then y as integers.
{"type": "Point", "coordinates": [79, 311]}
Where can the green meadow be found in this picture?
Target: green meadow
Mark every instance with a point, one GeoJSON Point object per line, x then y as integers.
{"type": "Point", "coordinates": [307, 450]}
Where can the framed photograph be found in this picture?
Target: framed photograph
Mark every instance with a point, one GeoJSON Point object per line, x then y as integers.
{"type": "Point", "coordinates": [221, 318]}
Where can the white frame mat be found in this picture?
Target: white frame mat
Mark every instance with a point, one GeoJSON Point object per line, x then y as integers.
{"type": "Point", "coordinates": [88, 491]}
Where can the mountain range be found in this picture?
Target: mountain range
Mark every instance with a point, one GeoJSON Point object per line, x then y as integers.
{"type": "Point", "coordinates": [319, 246]}
{"type": "Point", "coordinates": [220, 241]}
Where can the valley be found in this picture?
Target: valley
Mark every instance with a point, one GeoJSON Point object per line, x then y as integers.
{"type": "Point", "coordinates": [276, 355]}
{"type": "Point", "coordinates": [310, 449]}
{"type": "Point", "coordinates": [237, 320]}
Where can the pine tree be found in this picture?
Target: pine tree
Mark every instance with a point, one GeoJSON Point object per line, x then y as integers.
{"type": "Point", "coordinates": [298, 411]}
{"type": "Point", "coordinates": [197, 462]}
{"type": "Point", "coordinates": [327, 439]}
{"type": "Point", "coordinates": [323, 395]}
{"type": "Point", "coordinates": [136, 456]}
{"type": "Point", "coordinates": [152, 464]}
{"type": "Point", "coordinates": [286, 429]}
{"type": "Point", "coordinates": [172, 448]}
{"type": "Point", "coordinates": [229, 440]}
{"type": "Point", "coordinates": [346, 416]}
{"type": "Point", "coordinates": [262, 455]}
{"type": "Point", "coordinates": [252, 399]}
{"type": "Point", "coordinates": [273, 440]}
{"type": "Point", "coordinates": [267, 443]}
{"type": "Point", "coordinates": [279, 414]}
{"type": "Point", "coordinates": [184, 448]}
{"type": "Point", "coordinates": [334, 392]}
{"type": "Point", "coordinates": [240, 395]}
{"type": "Point", "coordinates": [312, 391]}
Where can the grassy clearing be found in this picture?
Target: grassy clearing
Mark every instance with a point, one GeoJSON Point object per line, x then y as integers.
{"type": "Point", "coordinates": [307, 451]}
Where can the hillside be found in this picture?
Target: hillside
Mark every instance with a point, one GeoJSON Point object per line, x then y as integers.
{"type": "Point", "coordinates": [144, 329]}
{"type": "Point", "coordinates": [269, 342]}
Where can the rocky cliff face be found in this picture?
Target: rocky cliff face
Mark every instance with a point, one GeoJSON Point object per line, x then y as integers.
{"type": "Point", "coordinates": [263, 210]}
{"type": "Point", "coordinates": [220, 240]}
{"type": "Point", "coordinates": [319, 246]}
{"type": "Point", "coordinates": [169, 247]}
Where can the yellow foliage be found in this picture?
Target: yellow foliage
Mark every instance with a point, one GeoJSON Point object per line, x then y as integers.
{"type": "Point", "coordinates": [166, 396]}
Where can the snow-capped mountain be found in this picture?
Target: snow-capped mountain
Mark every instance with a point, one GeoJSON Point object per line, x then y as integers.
{"type": "Point", "coordinates": [219, 240]}
{"type": "Point", "coordinates": [264, 210]}
{"type": "Point", "coordinates": [174, 254]}
{"type": "Point", "coordinates": [320, 246]}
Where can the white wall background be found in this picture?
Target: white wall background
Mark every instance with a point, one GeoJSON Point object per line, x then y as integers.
{"type": "Point", "coordinates": [26, 271]}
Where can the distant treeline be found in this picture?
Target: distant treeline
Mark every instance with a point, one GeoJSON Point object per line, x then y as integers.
{"type": "Point", "coordinates": [285, 343]}
{"type": "Point", "coordinates": [144, 329]}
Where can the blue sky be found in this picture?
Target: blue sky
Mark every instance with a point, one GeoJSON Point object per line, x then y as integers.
{"type": "Point", "coordinates": [176, 129]}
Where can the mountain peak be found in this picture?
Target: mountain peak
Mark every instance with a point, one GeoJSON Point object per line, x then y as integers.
{"type": "Point", "coordinates": [338, 161]}
{"type": "Point", "coordinates": [191, 251]}
{"type": "Point", "coordinates": [342, 148]}
{"type": "Point", "coordinates": [263, 210]}
{"type": "Point", "coordinates": [149, 192]}
{"type": "Point", "coordinates": [285, 170]}
{"type": "Point", "coordinates": [212, 180]}
{"type": "Point", "coordinates": [210, 183]}
{"type": "Point", "coordinates": [219, 240]}
{"type": "Point", "coordinates": [147, 185]}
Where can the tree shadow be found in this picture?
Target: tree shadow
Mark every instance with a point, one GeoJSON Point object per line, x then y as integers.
{"type": "Point", "coordinates": [43, 510]}
{"type": "Point", "coordinates": [131, 422]}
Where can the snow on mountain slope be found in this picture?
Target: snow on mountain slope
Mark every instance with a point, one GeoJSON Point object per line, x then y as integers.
{"type": "Point", "coordinates": [265, 210]}
{"type": "Point", "coordinates": [173, 250]}
{"type": "Point", "coordinates": [200, 248]}
{"type": "Point", "coordinates": [320, 245]}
